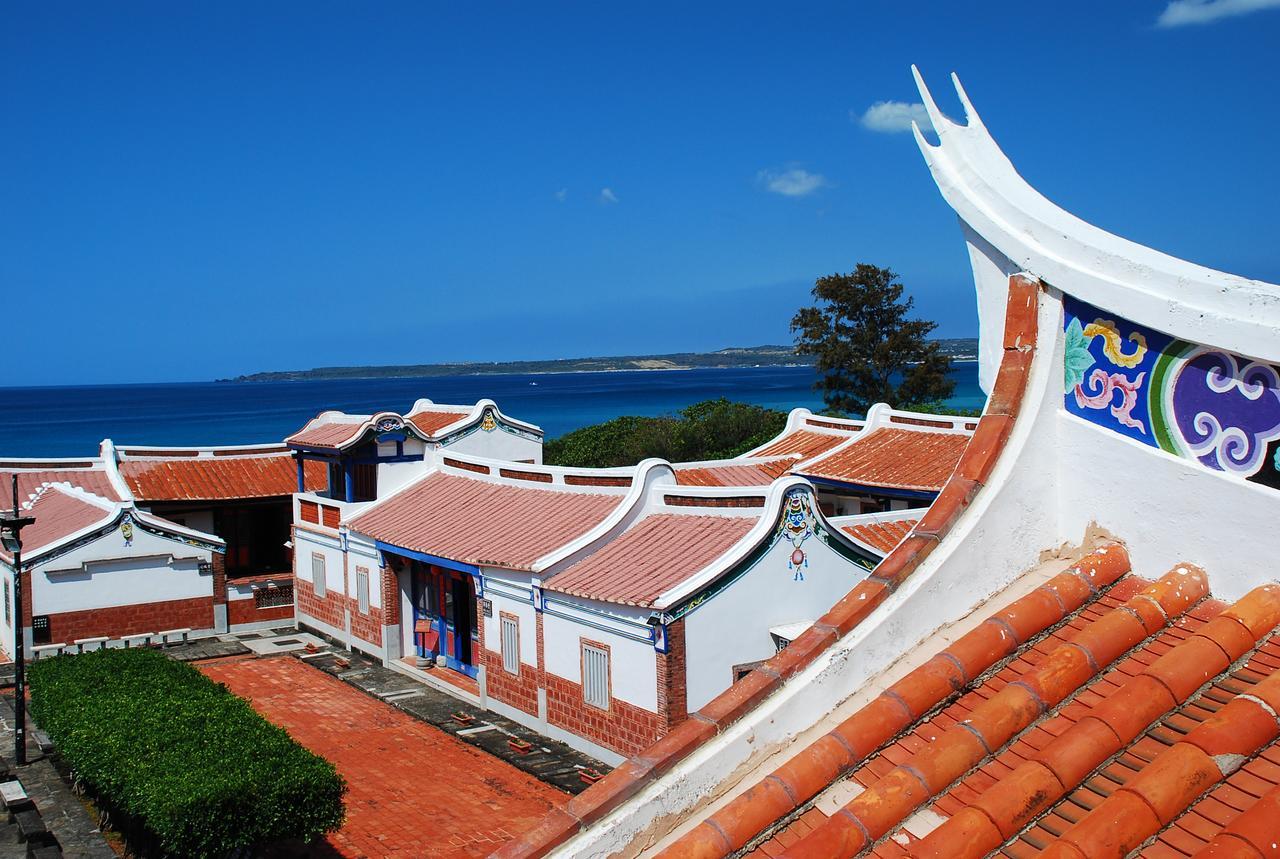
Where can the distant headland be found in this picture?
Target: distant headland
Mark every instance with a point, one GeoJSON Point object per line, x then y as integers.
{"type": "Point", "coordinates": [961, 349]}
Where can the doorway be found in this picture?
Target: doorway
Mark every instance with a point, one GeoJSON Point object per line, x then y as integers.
{"type": "Point", "coordinates": [444, 614]}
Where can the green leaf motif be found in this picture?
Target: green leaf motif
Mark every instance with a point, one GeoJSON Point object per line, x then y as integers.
{"type": "Point", "coordinates": [1076, 359]}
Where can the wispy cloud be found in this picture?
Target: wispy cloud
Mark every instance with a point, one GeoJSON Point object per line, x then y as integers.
{"type": "Point", "coordinates": [1180, 13]}
{"type": "Point", "coordinates": [791, 182]}
{"type": "Point", "coordinates": [892, 117]}
{"type": "Point", "coordinates": [607, 196]}
{"type": "Point", "coordinates": [562, 195]}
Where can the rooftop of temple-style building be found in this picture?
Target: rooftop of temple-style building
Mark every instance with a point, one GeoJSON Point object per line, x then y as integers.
{"type": "Point", "coordinates": [879, 531]}
{"type": "Point", "coordinates": [490, 512]}
{"type": "Point", "coordinates": [904, 452]}
{"type": "Point", "coordinates": [426, 421]}
{"type": "Point", "coordinates": [95, 475]}
{"type": "Point", "coordinates": [743, 471]}
{"type": "Point", "coordinates": [214, 473]}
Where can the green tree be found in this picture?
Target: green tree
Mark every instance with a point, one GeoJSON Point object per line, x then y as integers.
{"type": "Point", "coordinates": [866, 346]}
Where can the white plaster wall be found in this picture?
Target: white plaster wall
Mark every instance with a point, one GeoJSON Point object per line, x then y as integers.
{"type": "Point", "coordinates": [633, 669]}
{"type": "Point", "coordinates": [7, 640]}
{"type": "Point", "coordinates": [104, 573]}
{"type": "Point", "coordinates": [361, 553]}
{"type": "Point", "coordinates": [395, 475]}
{"type": "Point", "coordinates": [504, 601]}
{"type": "Point", "coordinates": [198, 520]}
{"type": "Point", "coordinates": [498, 444]}
{"type": "Point", "coordinates": [733, 626]}
{"type": "Point", "coordinates": [307, 543]}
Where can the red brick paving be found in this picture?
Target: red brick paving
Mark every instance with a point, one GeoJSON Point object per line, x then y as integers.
{"type": "Point", "coordinates": [414, 790]}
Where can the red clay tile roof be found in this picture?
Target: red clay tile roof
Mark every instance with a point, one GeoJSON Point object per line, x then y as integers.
{"type": "Point", "coordinates": [1067, 747]}
{"type": "Point", "coordinates": [58, 513]}
{"type": "Point", "coordinates": [733, 474]}
{"type": "Point", "coordinates": [88, 476]}
{"type": "Point", "coordinates": [804, 443]}
{"type": "Point", "coordinates": [328, 434]}
{"type": "Point", "coordinates": [217, 478]}
{"type": "Point", "coordinates": [893, 459]}
{"type": "Point", "coordinates": [432, 422]}
{"type": "Point", "coordinates": [881, 536]}
{"type": "Point", "coordinates": [653, 556]}
{"type": "Point", "coordinates": [480, 522]}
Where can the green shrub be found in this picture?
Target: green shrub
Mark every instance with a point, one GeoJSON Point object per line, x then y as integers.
{"type": "Point", "coordinates": [186, 768]}
{"type": "Point", "coordinates": [712, 429]}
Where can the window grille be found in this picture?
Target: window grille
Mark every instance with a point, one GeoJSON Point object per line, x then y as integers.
{"type": "Point", "coordinates": [280, 595]}
{"type": "Point", "coordinates": [510, 645]}
{"type": "Point", "coordinates": [362, 589]}
{"type": "Point", "coordinates": [40, 633]}
{"type": "Point", "coordinates": [317, 575]}
{"type": "Point", "coordinates": [7, 604]}
{"type": "Point", "coordinates": [595, 676]}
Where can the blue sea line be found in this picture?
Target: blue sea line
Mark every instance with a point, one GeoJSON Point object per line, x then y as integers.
{"type": "Point", "coordinates": [71, 421]}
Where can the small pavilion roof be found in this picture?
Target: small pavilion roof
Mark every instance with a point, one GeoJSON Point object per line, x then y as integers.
{"type": "Point", "coordinates": [90, 474]}
{"type": "Point", "coordinates": [658, 552]}
{"type": "Point", "coordinates": [215, 473]}
{"type": "Point", "coordinates": [60, 510]}
{"type": "Point", "coordinates": [478, 521]}
{"type": "Point", "coordinates": [879, 531]}
{"type": "Point", "coordinates": [733, 472]}
{"type": "Point", "coordinates": [335, 430]}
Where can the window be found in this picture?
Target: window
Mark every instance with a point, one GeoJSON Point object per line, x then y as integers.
{"type": "Point", "coordinates": [595, 675]}
{"type": "Point", "coordinates": [362, 589]}
{"type": "Point", "coordinates": [40, 630]}
{"type": "Point", "coordinates": [317, 574]}
{"type": "Point", "coordinates": [510, 643]}
{"type": "Point", "coordinates": [273, 596]}
{"type": "Point", "coordinates": [7, 607]}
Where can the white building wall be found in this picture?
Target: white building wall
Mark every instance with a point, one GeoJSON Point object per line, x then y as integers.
{"type": "Point", "coordinates": [510, 593]}
{"type": "Point", "coordinates": [633, 667]}
{"type": "Point", "coordinates": [497, 444]}
{"type": "Point", "coordinates": [105, 574]}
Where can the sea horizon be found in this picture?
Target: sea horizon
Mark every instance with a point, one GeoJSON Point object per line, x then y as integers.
{"type": "Point", "coordinates": [72, 420]}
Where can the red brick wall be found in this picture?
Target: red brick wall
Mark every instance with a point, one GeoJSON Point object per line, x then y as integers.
{"type": "Point", "coordinates": [219, 577]}
{"type": "Point", "coordinates": [246, 611]}
{"type": "Point", "coordinates": [117, 621]}
{"type": "Point", "coordinates": [520, 691]}
{"type": "Point", "coordinates": [673, 695]}
{"type": "Point", "coordinates": [327, 610]}
{"type": "Point", "coordinates": [367, 627]}
{"type": "Point", "coordinates": [624, 728]}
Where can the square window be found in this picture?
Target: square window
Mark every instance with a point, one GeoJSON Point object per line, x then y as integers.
{"type": "Point", "coordinates": [595, 676]}
{"type": "Point", "coordinates": [318, 574]}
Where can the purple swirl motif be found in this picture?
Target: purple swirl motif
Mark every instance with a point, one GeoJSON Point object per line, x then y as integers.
{"type": "Point", "coordinates": [1226, 409]}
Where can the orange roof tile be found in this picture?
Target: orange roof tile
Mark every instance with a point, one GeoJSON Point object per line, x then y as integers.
{"type": "Point", "coordinates": [733, 474]}
{"type": "Point", "coordinates": [217, 478]}
{"type": "Point", "coordinates": [88, 476]}
{"type": "Point", "coordinates": [803, 444]}
{"type": "Point", "coordinates": [481, 522]}
{"type": "Point", "coordinates": [893, 459]}
{"type": "Point", "coordinates": [58, 513]}
{"type": "Point", "coordinates": [432, 422]}
{"type": "Point", "coordinates": [327, 434]}
{"type": "Point", "coordinates": [653, 556]}
{"type": "Point", "coordinates": [882, 536]}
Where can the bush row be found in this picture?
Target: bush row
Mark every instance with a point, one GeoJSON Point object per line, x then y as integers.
{"type": "Point", "coordinates": [188, 768]}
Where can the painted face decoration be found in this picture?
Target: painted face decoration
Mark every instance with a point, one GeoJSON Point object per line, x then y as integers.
{"type": "Point", "coordinates": [126, 531]}
{"type": "Point", "coordinates": [488, 423]}
{"type": "Point", "coordinates": [797, 526]}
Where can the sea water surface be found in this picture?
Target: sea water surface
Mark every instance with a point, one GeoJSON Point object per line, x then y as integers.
{"type": "Point", "coordinates": [71, 421]}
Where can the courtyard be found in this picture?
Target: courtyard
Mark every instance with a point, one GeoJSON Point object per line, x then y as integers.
{"type": "Point", "coordinates": [413, 789]}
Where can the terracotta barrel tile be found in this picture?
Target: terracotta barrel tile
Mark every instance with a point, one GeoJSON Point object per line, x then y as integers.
{"type": "Point", "coordinates": [670, 750]}
{"type": "Point", "coordinates": [854, 606]}
{"type": "Point", "coordinates": [742, 696]}
{"type": "Point", "coordinates": [1033, 613]}
{"type": "Point", "coordinates": [979, 458]}
{"type": "Point", "coordinates": [1179, 589]}
{"type": "Point", "coordinates": [1237, 729]}
{"type": "Point", "coordinates": [1062, 672]}
{"type": "Point", "coordinates": [838, 836]}
{"type": "Point", "coordinates": [1020, 321]}
{"type": "Point", "coordinates": [924, 687]}
{"type": "Point", "coordinates": [1113, 829]}
{"type": "Point", "coordinates": [702, 842]}
{"type": "Point", "coordinates": [611, 791]}
{"type": "Point", "coordinates": [1056, 850]}
{"type": "Point", "coordinates": [873, 725]}
{"type": "Point", "coordinates": [803, 651]}
{"type": "Point", "coordinates": [1228, 846]}
{"type": "Point", "coordinates": [1188, 667]}
{"type": "Point", "coordinates": [904, 559]}
{"type": "Point", "coordinates": [742, 821]}
{"type": "Point", "coordinates": [1170, 782]}
{"type": "Point", "coordinates": [1010, 385]}
{"type": "Point", "coordinates": [1269, 690]}
{"type": "Point", "coordinates": [947, 507]}
{"type": "Point", "coordinates": [969, 833]}
{"type": "Point", "coordinates": [556, 827]}
{"type": "Point", "coordinates": [1015, 800]}
{"type": "Point", "coordinates": [1086, 744]}
{"type": "Point", "coordinates": [817, 766]}
{"type": "Point", "coordinates": [1259, 827]}
{"type": "Point", "coordinates": [981, 647]}
{"type": "Point", "coordinates": [1008, 712]}
{"type": "Point", "coordinates": [888, 802]}
{"type": "Point", "coordinates": [1259, 609]}
{"type": "Point", "coordinates": [941, 762]}
{"type": "Point", "coordinates": [1103, 566]}
{"type": "Point", "coordinates": [1230, 634]}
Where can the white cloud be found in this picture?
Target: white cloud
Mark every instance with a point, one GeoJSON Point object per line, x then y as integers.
{"type": "Point", "coordinates": [891, 117]}
{"type": "Point", "coordinates": [1182, 12]}
{"type": "Point", "coordinates": [607, 196]}
{"type": "Point", "coordinates": [561, 195]}
{"type": "Point", "coordinates": [792, 182]}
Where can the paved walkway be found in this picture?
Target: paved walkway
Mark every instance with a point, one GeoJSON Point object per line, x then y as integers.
{"type": "Point", "coordinates": [414, 790]}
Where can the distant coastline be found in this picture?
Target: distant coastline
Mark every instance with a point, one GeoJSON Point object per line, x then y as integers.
{"type": "Point", "coordinates": [960, 349]}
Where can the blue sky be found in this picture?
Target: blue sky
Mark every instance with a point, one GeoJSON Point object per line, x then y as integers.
{"type": "Point", "coordinates": [193, 191]}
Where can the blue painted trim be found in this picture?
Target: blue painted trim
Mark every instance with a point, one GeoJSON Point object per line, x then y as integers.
{"type": "Point", "coordinates": [915, 494]}
{"type": "Point", "coordinates": [646, 639]}
{"type": "Point", "coordinates": [302, 476]}
{"type": "Point", "coordinates": [348, 483]}
{"type": "Point", "coordinates": [447, 563]}
{"type": "Point", "coordinates": [318, 452]}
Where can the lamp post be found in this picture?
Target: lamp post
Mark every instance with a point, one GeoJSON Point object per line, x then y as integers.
{"type": "Point", "coordinates": [11, 536]}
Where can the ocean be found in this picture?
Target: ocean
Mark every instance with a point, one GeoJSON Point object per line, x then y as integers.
{"type": "Point", "coordinates": [71, 421]}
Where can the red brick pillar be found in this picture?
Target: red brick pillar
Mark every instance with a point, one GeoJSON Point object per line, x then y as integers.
{"type": "Point", "coordinates": [220, 620]}
{"type": "Point", "coordinates": [673, 696]}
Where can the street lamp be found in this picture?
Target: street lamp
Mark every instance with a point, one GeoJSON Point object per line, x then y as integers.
{"type": "Point", "coordinates": [11, 536]}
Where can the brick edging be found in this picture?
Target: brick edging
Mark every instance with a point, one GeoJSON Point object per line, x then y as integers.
{"type": "Point", "coordinates": [971, 472]}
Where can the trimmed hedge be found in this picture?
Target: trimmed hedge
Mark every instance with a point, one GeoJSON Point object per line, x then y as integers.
{"type": "Point", "coordinates": [187, 768]}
